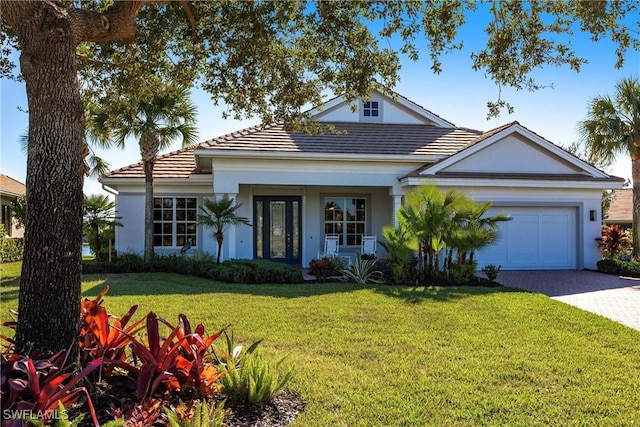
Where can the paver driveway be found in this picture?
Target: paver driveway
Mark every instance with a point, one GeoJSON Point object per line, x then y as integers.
{"type": "Point", "coordinates": [617, 298]}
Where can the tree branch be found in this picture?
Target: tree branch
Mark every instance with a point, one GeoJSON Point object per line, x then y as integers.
{"type": "Point", "coordinates": [118, 22]}
{"type": "Point", "coordinates": [187, 11]}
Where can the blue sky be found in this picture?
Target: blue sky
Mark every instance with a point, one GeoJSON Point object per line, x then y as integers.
{"type": "Point", "coordinates": [458, 94]}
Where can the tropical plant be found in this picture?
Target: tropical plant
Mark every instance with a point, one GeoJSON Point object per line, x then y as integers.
{"type": "Point", "coordinates": [612, 127]}
{"type": "Point", "coordinates": [162, 115]}
{"type": "Point", "coordinates": [32, 382]}
{"type": "Point", "coordinates": [98, 220]}
{"type": "Point", "coordinates": [219, 214]}
{"type": "Point", "coordinates": [429, 214]}
{"type": "Point", "coordinates": [248, 376]}
{"type": "Point", "coordinates": [614, 241]}
{"type": "Point", "coordinates": [363, 271]}
{"type": "Point", "coordinates": [196, 414]}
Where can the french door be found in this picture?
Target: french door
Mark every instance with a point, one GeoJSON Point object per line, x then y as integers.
{"type": "Point", "coordinates": [277, 229]}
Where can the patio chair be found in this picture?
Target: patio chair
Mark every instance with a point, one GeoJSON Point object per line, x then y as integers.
{"type": "Point", "coordinates": [332, 249]}
{"type": "Point", "coordinates": [369, 245]}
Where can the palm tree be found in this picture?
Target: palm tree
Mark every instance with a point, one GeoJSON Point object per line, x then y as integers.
{"type": "Point", "coordinates": [219, 214]}
{"type": "Point", "coordinates": [429, 215]}
{"type": "Point", "coordinates": [612, 127]}
{"type": "Point", "coordinates": [165, 116]}
{"type": "Point", "coordinates": [98, 216]}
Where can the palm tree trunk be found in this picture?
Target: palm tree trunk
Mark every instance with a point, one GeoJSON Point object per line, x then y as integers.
{"type": "Point", "coordinates": [635, 176]}
{"type": "Point", "coordinates": [220, 239]}
{"type": "Point", "coordinates": [149, 146]}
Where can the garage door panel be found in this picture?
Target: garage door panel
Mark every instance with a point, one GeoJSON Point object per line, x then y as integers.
{"type": "Point", "coordinates": [535, 238]}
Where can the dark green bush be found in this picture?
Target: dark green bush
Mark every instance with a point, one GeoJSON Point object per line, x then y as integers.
{"type": "Point", "coordinates": [622, 268]}
{"type": "Point", "coordinates": [202, 265]}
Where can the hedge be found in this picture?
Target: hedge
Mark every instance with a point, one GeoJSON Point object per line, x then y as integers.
{"type": "Point", "coordinates": [230, 271]}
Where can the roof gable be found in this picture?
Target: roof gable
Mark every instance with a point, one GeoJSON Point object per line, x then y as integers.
{"type": "Point", "coordinates": [394, 108]}
{"type": "Point", "coordinates": [514, 149]}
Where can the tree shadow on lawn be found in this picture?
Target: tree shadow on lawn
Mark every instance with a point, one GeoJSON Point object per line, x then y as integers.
{"type": "Point", "coordinates": [415, 295]}
{"type": "Point", "coordinates": [172, 284]}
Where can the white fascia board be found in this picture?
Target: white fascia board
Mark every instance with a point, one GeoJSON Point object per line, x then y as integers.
{"type": "Point", "coordinates": [595, 172]}
{"type": "Point", "coordinates": [295, 155]}
{"type": "Point", "coordinates": [512, 183]}
{"type": "Point", "coordinates": [114, 182]}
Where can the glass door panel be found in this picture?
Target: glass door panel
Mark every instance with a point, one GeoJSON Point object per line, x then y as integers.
{"type": "Point", "coordinates": [277, 230]}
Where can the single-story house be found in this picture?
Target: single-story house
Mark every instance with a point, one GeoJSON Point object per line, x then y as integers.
{"type": "Point", "coordinates": [10, 189]}
{"type": "Point", "coordinates": [621, 209]}
{"type": "Point", "coordinates": [296, 188]}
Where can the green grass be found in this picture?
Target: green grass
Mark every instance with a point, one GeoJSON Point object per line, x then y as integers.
{"type": "Point", "coordinates": [385, 356]}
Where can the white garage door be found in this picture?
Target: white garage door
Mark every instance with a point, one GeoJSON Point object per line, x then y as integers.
{"type": "Point", "coordinates": [536, 238]}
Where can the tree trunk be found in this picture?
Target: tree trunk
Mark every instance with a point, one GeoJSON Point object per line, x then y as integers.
{"type": "Point", "coordinates": [220, 239]}
{"type": "Point", "coordinates": [49, 297]}
{"type": "Point", "coordinates": [149, 147]}
{"type": "Point", "coordinates": [635, 176]}
{"type": "Point", "coordinates": [148, 210]}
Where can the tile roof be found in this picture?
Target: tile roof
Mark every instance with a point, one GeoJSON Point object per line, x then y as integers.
{"type": "Point", "coordinates": [177, 164]}
{"type": "Point", "coordinates": [11, 187]}
{"type": "Point", "coordinates": [357, 138]}
{"type": "Point", "coordinates": [621, 208]}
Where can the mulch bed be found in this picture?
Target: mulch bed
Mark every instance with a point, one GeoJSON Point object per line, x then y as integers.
{"type": "Point", "coordinates": [278, 412]}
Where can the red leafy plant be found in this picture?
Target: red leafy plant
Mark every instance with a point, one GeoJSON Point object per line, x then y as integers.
{"type": "Point", "coordinates": [39, 384]}
{"type": "Point", "coordinates": [104, 335]}
{"type": "Point", "coordinates": [614, 242]}
{"type": "Point", "coordinates": [179, 364]}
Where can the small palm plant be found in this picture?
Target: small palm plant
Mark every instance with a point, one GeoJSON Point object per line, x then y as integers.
{"type": "Point", "coordinates": [220, 214]}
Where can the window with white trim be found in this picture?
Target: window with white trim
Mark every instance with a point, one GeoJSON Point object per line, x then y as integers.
{"type": "Point", "coordinates": [174, 221]}
{"type": "Point", "coordinates": [345, 217]}
{"type": "Point", "coordinates": [371, 109]}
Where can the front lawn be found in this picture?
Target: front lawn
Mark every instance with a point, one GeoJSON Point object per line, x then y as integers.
{"type": "Point", "coordinates": [400, 357]}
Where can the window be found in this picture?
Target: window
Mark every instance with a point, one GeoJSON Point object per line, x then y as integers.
{"type": "Point", "coordinates": [370, 109]}
{"type": "Point", "coordinates": [174, 221]}
{"type": "Point", "coordinates": [346, 218]}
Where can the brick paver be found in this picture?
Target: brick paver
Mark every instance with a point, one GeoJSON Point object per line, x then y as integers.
{"type": "Point", "coordinates": [617, 298]}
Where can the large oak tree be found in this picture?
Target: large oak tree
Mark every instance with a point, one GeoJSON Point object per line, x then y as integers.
{"type": "Point", "coordinates": [259, 58]}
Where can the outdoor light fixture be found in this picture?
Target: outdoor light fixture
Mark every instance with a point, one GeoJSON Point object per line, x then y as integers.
{"type": "Point", "coordinates": [592, 215]}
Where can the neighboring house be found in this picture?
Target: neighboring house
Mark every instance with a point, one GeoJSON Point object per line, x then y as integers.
{"type": "Point", "coordinates": [297, 188]}
{"type": "Point", "coordinates": [10, 189]}
{"type": "Point", "coordinates": [621, 208]}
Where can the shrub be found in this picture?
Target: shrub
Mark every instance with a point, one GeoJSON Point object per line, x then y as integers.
{"type": "Point", "coordinates": [203, 265]}
{"type": "Point", "coordinates": [364, 271]}
{"type": "Point", "coordinates": [619, 267]}
{"type": "Point", "coordinates": [322, 268]}
{"type": "Point", "coordinates": [462, 274]}
{"type": "Point", "coordinates": [11, 249]}
{"type": "Point", "coordinates": [491, 271]}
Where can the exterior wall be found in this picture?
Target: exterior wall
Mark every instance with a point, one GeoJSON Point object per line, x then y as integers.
{"type": "Point", "coordinates": [514, 155]}
{"type": "Point", "coordinates": [130, 208]}
{"type": "Point", "coordinates": [10, 226]}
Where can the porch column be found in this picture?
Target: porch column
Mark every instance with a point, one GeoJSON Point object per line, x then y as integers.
{"type": "Point", "coordinates": [230, 235]}
{"type": "Point", "coordinates": [397, 202]}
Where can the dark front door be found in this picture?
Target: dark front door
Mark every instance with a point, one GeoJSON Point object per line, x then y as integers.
{"type": "Point", "coordinates": [277, 229]}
